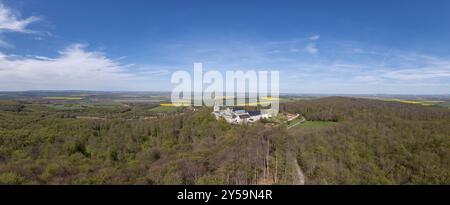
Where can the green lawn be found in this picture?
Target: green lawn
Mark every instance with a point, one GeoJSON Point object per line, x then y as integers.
{"type": "Point", "coordinates": [317, 124]}
{"type": "Point", "coordinates": [295, 121]}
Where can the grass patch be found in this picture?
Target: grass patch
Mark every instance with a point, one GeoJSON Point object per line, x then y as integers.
{"type": "Point", "coordinates": [295, 121]}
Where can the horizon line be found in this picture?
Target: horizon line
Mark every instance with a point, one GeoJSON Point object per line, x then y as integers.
{"type": "Point", "coordinates": [162, 91]}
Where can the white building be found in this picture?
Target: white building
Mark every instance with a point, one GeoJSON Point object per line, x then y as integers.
{"type": "Point", "coordinates": [239, 116]}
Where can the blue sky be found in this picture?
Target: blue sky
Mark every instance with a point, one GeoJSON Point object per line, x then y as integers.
{"type": "Point", "coordinates": [370, 47]}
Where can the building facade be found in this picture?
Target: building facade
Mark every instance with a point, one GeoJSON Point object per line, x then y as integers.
{"type": "Point", "coordinates": [237, 115]}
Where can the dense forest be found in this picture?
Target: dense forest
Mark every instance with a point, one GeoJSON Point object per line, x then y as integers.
{"type": "Point", "coordinates": [372, 142]}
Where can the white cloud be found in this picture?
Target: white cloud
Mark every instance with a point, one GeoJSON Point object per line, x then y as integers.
{"type": "Point", "coordinates": [314, 37]}
{"type": "Point", "coordinates": [12, 22]}
{"type": "Point", "coordinates": [153, 72]}
{"type": "Point", "coordinates": [74, 68]}
{"type": "Point", "coordinates": [418, 74]}
{"type": "Point", "coordinates": [311, 48]}
{"type": "Point", "coordinates": [410, 68]}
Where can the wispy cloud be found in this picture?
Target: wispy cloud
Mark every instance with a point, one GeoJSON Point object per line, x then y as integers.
{"type": "Point", "coordinates": [417, 74]}
{"type": "Point", "coordinates": [74, 68]}
{"type": "Point", "coordinates": [339, 67]}
{"type": "Point", "coordinates": [152, 72]}
{"type": "Point", "coordinates": [311, 48]}
{"type": "Point", "coordinates": [10, 21]}
{"type": "Point", "coordinates": [409, 68]}
{"type": "Point", "coordinates": [314, 37]}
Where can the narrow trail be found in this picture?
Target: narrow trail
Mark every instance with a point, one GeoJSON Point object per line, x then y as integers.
{"type": "Point", "coordinates": [300, 179]}
{"type": "Point", "coordinates": [299, 122]}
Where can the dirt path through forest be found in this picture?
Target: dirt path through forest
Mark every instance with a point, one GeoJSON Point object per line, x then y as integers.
{"type": "Point", "coordinates": [300, 179]}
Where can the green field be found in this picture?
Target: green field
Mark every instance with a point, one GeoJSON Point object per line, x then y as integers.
{"type": "Point", "coordinates": [63, 107]}
{"type": "Point", "coordinates": [83, 106]}
{"type": "Point", "coordinates": [317, 124]}
{"type": "Point", "coordinates": [444, 105]}
{"type": "Point", "coordinates": [164, 109]}
{"type": "Point", "coordinates": [63, 98]}
{"type": "Point", "coordinates": [418, 102]}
